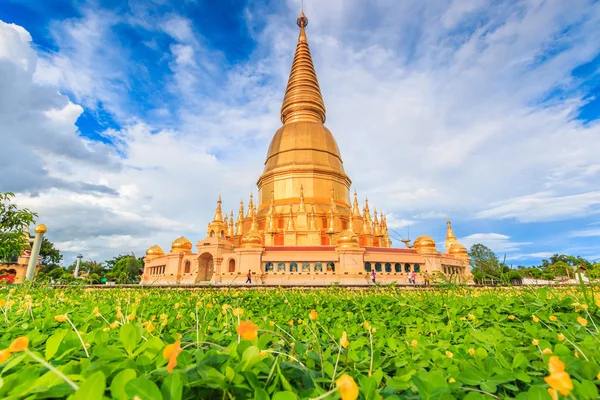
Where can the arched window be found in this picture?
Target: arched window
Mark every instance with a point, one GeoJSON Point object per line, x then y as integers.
{"type": "Point", "coordinates": [330, 267]}
{"type": "Point", "coordinates": [368, 266]}
{"type": "Point", "coordinates": [269, 266]}
{"type": "Point", "coordinates": [281, 267]}
{"type": "Point", "coordinates": [232, 265]}
{"type": "Point", "coordinates": [222, 234]}
{"type": "Point", "coordinates": [318, 267]}
{"type": "Point", "coordinates": [212, 233]}
{"type": "Point", "coordinates": [293, 266]}
{"type": "Point", "coordinates": [443, 266]}
{"type": "Point", "coordinates": [186, 268]}
{"type": "Point", "coordinates": [305, 267]}
{"type": "Point", "coordinates": [378, 267]}
{"type": "Point", "coordinates": [417, 268]}
{"type": "Point", "coordinates": [397, 267]}
{"type": "Point", "coordinates": [407, 267]}
{"type": "Point", "coordinates": [388, 267]}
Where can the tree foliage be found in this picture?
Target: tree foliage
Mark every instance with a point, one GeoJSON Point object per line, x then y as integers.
{"type": "Point", "coordinates": [13, 222]}
{"type": "Point", "coordinates": [50, 254]}
{"type": "Point", "coordinates": [484, 263]}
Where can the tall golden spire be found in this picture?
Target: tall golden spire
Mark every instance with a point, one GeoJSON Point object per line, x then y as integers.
{"type": "Point", "coordinates": [355, 209]}
{"type": "Point", "coordinates": [450, 238]}
{"type": "Point", "coordinates": [218, 213]}
{"type": "Point", "coordinates": [302, 208]}
{"type": "Point", "coordinates": [303, 100]}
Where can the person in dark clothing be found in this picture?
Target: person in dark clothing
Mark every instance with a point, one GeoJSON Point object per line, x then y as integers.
{"type": "Point", "coordinates": [249, 280]}
{"type": "Point", "coordinates": [373, 275]}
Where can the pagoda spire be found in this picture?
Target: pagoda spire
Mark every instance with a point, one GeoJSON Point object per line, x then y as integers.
{"type": "Point", "coordinates": [302, 100]}
{"type": "Point", "coordinates": [230, 232]}
{"type": "Point", "coordinates": [302, 207]}
{"type": "Point", "coordinates": [218, 213]}
{"type": "Point", "coordinates": [290, 225]}
{"type": "Point", "coordinates": [450, 238]}
{"type": "Point", "coordinates": [239, 224]}
{"type": "Point", "coordinates": [355, 209]}
{"type": "Point", "coordinates": [251, 206]}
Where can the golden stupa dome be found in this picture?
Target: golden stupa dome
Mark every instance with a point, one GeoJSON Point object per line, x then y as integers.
{"type": "Point", "coordinates": [348, 239]}
{"type": "Point", "coordinates": [425, 244]}
{"type": "Point", "coordinates": [41, 228]}
{"type": "Point", "coordinates": [180, 245]}
{"type": "Point", "coordinates": [458, 250]}
{"type": "Point", "coordinates": [154, 251]}
{"type": "Point", "coordinates": [252, 239]}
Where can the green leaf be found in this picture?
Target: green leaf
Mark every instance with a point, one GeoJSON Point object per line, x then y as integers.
{"type": "Point", "coordinates": [538, 393]}
{"type": "Point", "coordinates": [488, 387]}
{"type": "Point", "coordinates": [481, 353]}
{"type": "Point", "coordinates": [53, 343]}
{"type": "Point", "coordinates": [117, 387]}
{"type": "Point", "coordinates": [172, 388]}
{"type": "Point", "coordinates": [130, 337]}
{"type": "Point", "coordinates": [92, 388]}
{"type": "Point", "coordinates": [250, 357]}
{"type": "Point", "coordinates": [143, 388]}
{"type": "Point", "coordinates": [261, 394]}
{"type": "Point", "coordinates": [284, 396]}
{"type": "Point", "coordinates": [588, 390]}
{"type": "Point", "coordinates": [519, 361]}
{"type": "Point", "coordinates": [472, 376]}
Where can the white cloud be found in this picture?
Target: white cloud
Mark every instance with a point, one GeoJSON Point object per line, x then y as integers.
{"type": "Point", "coordinates": [499, 243]}
{"type": "Point", "coordinates": [586, 232]}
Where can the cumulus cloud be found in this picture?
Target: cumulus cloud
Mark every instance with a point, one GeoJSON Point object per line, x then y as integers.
{"type": "Point", "coordinates": [499, 243]}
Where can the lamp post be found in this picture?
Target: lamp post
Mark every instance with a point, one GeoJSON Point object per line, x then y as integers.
{"type": "Point", "coordinates": [35, 251]}
{"type": "Point", "coordinates": [79, 257]}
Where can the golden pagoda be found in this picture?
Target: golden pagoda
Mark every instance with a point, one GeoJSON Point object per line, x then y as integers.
{"type": "Point", "coordinates": [303, 229]}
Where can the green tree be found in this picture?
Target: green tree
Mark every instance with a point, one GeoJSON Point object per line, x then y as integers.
{"type": "Point", "coordinates": [484, 263]}
{"type": "Point", "coordinates": [13, 222]}
{"type": "Point", "coordinates": [124, 268]}
{"type": "Point", "coordinates": [560, 269]}
{"type": "Point", "coordinates": [50, 255]}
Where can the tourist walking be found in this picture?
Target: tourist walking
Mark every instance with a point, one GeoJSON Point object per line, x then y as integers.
{"type": "Point", "coordinates": [426, 278]}
{"type": "Point", "coordinates": [373, 275]}
{"type": "Point", "coordinates": [413, 277]}
{"type": "Point", "coordinates": [249, 280]}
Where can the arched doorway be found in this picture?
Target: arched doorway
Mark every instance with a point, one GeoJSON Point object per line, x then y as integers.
{"type": "Point", "coordinates": [205, 268]}
{"type": "Point", "coordinates": [232, 265]}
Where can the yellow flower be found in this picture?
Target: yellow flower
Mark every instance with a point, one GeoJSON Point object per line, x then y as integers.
{"type": "Point", "coordinates": [119, 314]}
{"type": "Point", "coordinates": [414, 343]}
{"type": "Point", "coordinates": [150, 328]}
{"type": "Point", "coordinates": [582, 321]}
{"type": "Point", "coordinates": [535, 342]}
{"type": "Point", "coordinates": [106, 329]}
{"type": "Point", "coordinates": [561, 337]}
{"type": "Point", "coordinates": [271, 323]}
{"type": "Point", "coordinates": [176, 306]}
{"type": "Point", "coordinates": [164, 322]}
{"type": "Point", "coordinates": [171, 352]}
{"type": "Point", "coordinates": [547, 351]}
{"type": "Point", "coordinates": [19, 344]}
{"type": "Point", "coordinates": [576, 304]}
{"type": "Point", "coordinates": [471, 316]}
{"type": "Point", "coordinates": [96, 310]}
{"type": "Point", "coordinates": [584, 306]}
{"type": "Point", "coordinates": [114, 325]}
{"type": "Point", "coordinates": [553, 393]}
{"type": "Point", "coordinates": [262, 353]}
{"type": "Point", "coordinates": [559, 379]}
{"type": "Point", "coordinates": [344, 340]}
{"type": "Point", "coordinates": [463, 318]}
{"type": "Point", "coordinates": [347, 387]}
{"type": "Point", "coordinates": [451, 380]}
{"type": "Point", "coordinates": [131, 317]}
{"type": "Point", "coordinates": [471, 352]}
{"type": "Point", "coordinates": [535, 319]}
{"type": "Point", "coordinates": [367, 325]}
{"type": "Point", "coordinates": [449, 354]}
{"type": "Point", "coordinates": [238, 311]}
{"type": "Point", "coordinates": [178, 316]}
{"type": "Point", "coordinates": [553, 318]}
{"type": "Point", "coordinates": [511, 317]}
{"type": "Point", "coordinates": [291, 322]}
{"type": "Point", "coordinates": [313, 315]}
{"type": "Point", "coordinates": [248, 330]}
{"type": "Point", "coordinates": [4, 355]}
{"type": "Point", "coordinates": [300, 321]}
{"type": "Point", "coordinates": [60, 318]}
{"type": "Point", "coordinates": [164, 316]}
{"type": "Point", "coordinates": [374, 330]}
{"type": "Point", "coordinates": [2, 303]}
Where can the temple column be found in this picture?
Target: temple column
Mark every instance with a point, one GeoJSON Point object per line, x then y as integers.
{"type": "Point", "coordinates": [35, 251]}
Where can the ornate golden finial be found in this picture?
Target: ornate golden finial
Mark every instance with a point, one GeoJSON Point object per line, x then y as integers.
{"type": "Point", "coordinates": [230, 232]}
{"type": "Point", "coordinates": [302, 208]}
{"type": "Point", "coordinates": [313, 219]}
{"type": "Point", "coordinates": [331, 221]}
{"type": "Point", "coordinates": [254, 226]}
{"type": "Point", "coordinates": [449, 232]}
{"type": "Point", "coordinates": [239, 224]}
{"type": "Point", "coordinates": [303, 100]}
{"type": "Point", "coordinates": [290, 225]}
{"type": "Point", "coordinates": [218, 213]}
{"type": "Point", "coordinates": [355, 209]}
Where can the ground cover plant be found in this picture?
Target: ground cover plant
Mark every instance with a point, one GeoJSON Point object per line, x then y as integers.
{"type": "Point", "coordinates": [286, 343]}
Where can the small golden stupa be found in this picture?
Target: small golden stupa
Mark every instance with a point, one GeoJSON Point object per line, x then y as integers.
{"type": "Point", "coordinates": [304, 228]}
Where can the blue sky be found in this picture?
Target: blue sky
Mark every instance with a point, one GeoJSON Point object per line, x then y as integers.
{"type": "Point", "coordinates": [123, 120]}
